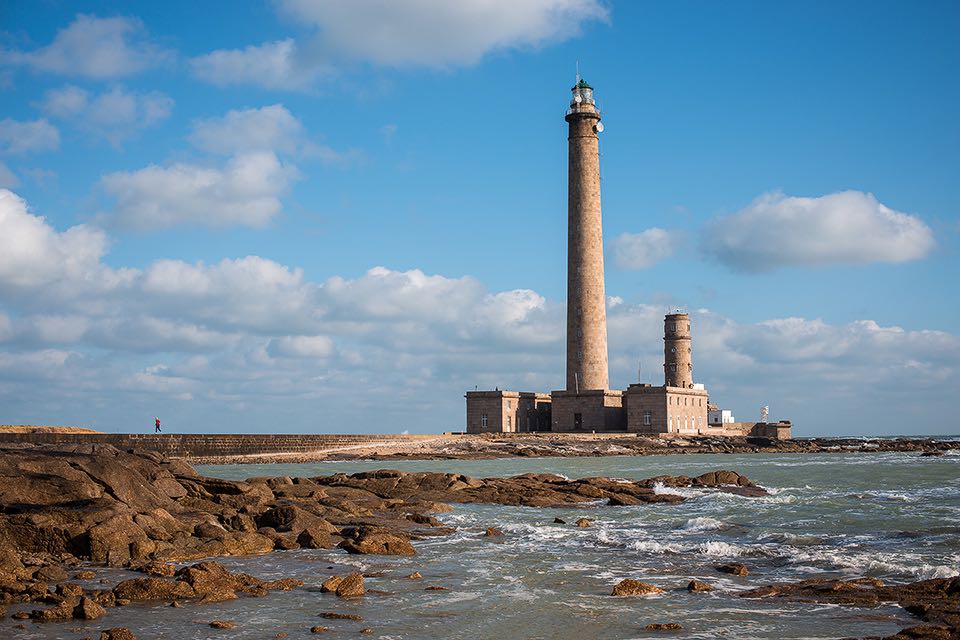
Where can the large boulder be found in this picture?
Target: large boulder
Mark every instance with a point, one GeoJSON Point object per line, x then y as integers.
{"type": "Point", "coordinates": [376, 540]}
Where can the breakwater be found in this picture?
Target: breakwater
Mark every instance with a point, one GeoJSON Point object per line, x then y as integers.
{"type": "Point", "coordinates": [209, 445]}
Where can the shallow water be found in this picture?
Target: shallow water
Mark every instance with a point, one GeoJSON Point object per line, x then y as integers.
{"type": "Point", "coordinates": [895, 516]}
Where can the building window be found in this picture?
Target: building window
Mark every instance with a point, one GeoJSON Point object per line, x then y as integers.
{"type": "Point", "coordinates": [578, 421]}
{"type": "Point", "coordinates": [509, 404]}
{"type": "Point", "coordinates": [646, 418]}
{"type": "Point", "coordinates": [483, 421]}
{"type": "Point", "coordinates": [508, 423]}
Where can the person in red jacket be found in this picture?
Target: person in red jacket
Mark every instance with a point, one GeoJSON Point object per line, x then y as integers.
{"type": "Point", "coordinates": [157, 430]}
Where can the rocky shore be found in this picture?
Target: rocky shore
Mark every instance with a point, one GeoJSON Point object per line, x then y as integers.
{"type": "Point", "coordinates": [569, 445]}
{"type": "Point", "coordinates": [65, 512]}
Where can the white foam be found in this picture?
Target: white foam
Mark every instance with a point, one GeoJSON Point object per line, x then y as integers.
{"type": "Point", "coordinates": [704, 524]}
{"type": "Point", "coordinates": [717, 548]}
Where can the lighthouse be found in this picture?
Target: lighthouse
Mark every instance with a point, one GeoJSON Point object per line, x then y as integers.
{"type": "Point", "coordinates": [586, 301]}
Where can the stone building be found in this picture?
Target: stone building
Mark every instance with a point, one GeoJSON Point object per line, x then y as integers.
{"type": "Point", "coordinates": [587, 404]}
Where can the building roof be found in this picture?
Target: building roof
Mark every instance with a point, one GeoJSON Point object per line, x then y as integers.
{"type": "Point", "coordinates": [582, 85]}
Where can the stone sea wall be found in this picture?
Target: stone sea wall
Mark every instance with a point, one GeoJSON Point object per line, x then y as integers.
{"type": "Point", "coordinates": [202, 445]}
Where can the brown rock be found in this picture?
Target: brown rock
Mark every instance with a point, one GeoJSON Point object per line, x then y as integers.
{"type": "Point", "coordinates": [629, 587]}
{"type": "Point", "coordinates": [21, 615]}
{"type": "Point", "coordinates": [57, 613]}
{"type": "Point", "coordinates": [733, 568]}
{"type": "Point", "coordinates": [331, 615]}
{"type": "Point", "coordinates": [583, 523]}
{"type": "Point", "coordinates": [437, 588]}
{"type": "Point", "coordinates": [698, 586]}
{"type": "Point", "coordinates": [88, 609]}
{"type": "Point", "coordinates": [144, 589]}
{"type": "Point", "coordinates": [493, 532]}
{"type": "Point", "coordinates": [351, 586]}
{"type": "Point", "coordinates": [117, 633]}
{"type": "Point", "coordinates": [413, 576]}
{"type": "Point", "coordinates": [663, 626]}
{"type": "Point", "coordinates": [318, 538]}
{"type": "Point", "coordinates": [51, 573]}
{"type": "Point", "coordinates": [319, 629]}
{"type": "Point", "coordinates": [366, 631]}
{"type": "Point", "coordinates": [376, 540]}
{"type": "Point", "coordinates": [84, 575]}
{"type": "Point", "coordinates": [330, 584]}
{"type": "Point", "coordinates": [223, 624]}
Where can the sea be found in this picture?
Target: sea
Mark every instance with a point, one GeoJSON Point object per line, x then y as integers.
{"type": "Point", "coordinates": [893, 516]}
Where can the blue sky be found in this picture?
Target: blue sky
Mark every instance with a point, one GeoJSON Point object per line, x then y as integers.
{"type": "Point", "coordinates": [325, 216]}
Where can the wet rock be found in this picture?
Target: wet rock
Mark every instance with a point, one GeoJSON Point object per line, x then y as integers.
{"type": "Point", "coordinates": [733, 568]}
{"type": "Point", "coordinates": [117, 633]}
{"type": "Point", "coordinates": [437, 588]}
{"type": "Point", "coordinates": [85, 575]}
{"type": "Point", "coordinates": [158, 569]}
{"type": "Point", "coordinates": [663, 626]}
{"type": "Point", "coordinates": [58, 613]}
{"type": "Point", "coordinates": [145, 589]}
{"type": "Point", "coordinates": [331, 615]}
{"type": "Point", "coordinates": [319, 629]}
{"type": "Point", "coordinates": [493, 532]}
{"type": "Point", "coordinates": [176, 604]}
{"type": "Point", "coordinates": [366, 631]}
{"type": "Point", "coordinates": [350, 586]}
{"type": "Point", "coordinates": [318, 538]}
{"type": "Point", "coordinates": [413, 576]}
{"type": "Point", "coordinates": [223, 624]}
{"type": "Point", "coordinates": [88, 609]}
{"type": "Point", "coordinates": [21, 615]}
{"type": "Point", "coordinates": [630, 587]}
{"type": "Point", "coordinates": [51, 573]}
{"type": "Point", "coordinates": [698, 586]}
{"type": "Point", "coordinates": [330, 584]}
{"type": "Point", "coordinates": [376, 540]}
{"type": "Point", "coordinates": [583, 523]}
{"type": "Point", "coordinates": [559, 521]}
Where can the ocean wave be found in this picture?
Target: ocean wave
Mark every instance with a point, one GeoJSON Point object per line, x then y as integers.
{"type": "Point", "coordinates": [716, 548]}
{"type": "Point", "coordinates": [704, 524]}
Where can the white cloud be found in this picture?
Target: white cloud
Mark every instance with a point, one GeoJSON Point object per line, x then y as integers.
{"type": "Point", "coordinates": [432, 33]}
{"type": "Point", "coordinates": [271, 128]}
{"type": "Point", "coordinates": [250, 339]}
{"type": "Point", "coordinates": [437, 33]}
{"type": "Point", "coordinates": [8, 179]}
{"type": "Point", "coordinates": [272, 65]}
{"type": "Point", "coordinates": [18, 136]}
{"type": "Point", "coordinates": [850, 227]}
{"type": "Point", "coordinates": [114, 115]}
{"type": "Point", "coordinates": [301, 347]}
{"type": "Point", "coordinates": [34, 256]}
{"type": "Point", "coordinates": [645, 249]}
{"type": "Point", "coordinates": [93, 47]}
{"type": "Point", "coordinates": [246, 192]}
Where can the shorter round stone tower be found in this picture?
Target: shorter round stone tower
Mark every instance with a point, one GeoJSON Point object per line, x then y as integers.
{"type": "Point", "coordinates": [677, 351]}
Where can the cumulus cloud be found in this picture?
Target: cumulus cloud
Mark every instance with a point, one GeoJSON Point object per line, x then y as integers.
{"type": "Point", "coordinates": [272, 65]}
{"type": "Point", "coordinates": [93, 47]}
{"type": "Point", "coordinates": [645, 249]}
{"type": "Point", "coordinates": [246, 191]}
{"type": "Point", "coordinates": [850, 227]}
{"type": "Point", "coordinates": [18, 136]}
{"type": "Point", "coordinates": [301, 347]}
{"type": "Point", "coordinates": [113, 115]}
{"type": "Point", "coordinates": [271, 128]}
{"type": "Point", "coordinates": [250, 340]}
{"type": "Point", "coordinates": [431, 33]}
{"type": "Point", "coordinates": [437, 33]}
{"type": "Point", "coordinates": [33, 255]}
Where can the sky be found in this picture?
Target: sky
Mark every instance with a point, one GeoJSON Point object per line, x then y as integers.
{"type": "Point", "coordinates": [323, 216]}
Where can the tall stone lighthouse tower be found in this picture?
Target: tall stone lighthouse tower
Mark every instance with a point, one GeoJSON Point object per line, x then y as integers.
{"type": "Point", "coordinates": [586, 310]}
